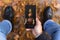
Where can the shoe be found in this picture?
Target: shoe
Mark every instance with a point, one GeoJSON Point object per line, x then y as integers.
{"type": "Point", "coordinates": [47, 14]}
{"type": "Point", "coordinates": [8, 13]}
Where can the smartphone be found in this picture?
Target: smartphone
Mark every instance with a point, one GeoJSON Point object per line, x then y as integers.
{"type": "Point", "coordinates": [30, 16]}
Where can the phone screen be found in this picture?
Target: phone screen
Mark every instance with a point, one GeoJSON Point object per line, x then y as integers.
{"type": "Point", "coordinates": [30, 16]}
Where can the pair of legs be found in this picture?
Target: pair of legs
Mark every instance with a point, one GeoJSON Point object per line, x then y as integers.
{"type": "Point", "coordinates": [53, 29]}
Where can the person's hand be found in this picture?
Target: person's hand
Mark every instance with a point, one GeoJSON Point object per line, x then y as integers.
{"type": "Point", "coordinates": [37, 29]}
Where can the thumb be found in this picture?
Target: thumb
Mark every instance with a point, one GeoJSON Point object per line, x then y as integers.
{"type": "Point", "coordinates": [37, 21]}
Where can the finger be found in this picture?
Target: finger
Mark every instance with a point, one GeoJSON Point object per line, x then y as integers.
{"type": "Point", "coordinates": [36, 15]}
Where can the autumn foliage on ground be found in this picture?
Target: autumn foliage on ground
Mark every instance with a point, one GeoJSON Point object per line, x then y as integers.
{"type": "Point", "coordinates": [19, 32]}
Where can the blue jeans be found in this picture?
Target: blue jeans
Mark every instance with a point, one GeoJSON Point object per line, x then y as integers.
{"type": "Point", "coordinates": [53, 29]}
{"type": "Point", "coordinates": [5, 29]}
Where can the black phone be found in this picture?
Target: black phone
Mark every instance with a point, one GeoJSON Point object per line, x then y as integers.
{"type": "Point", "coordinates": [30, 16]}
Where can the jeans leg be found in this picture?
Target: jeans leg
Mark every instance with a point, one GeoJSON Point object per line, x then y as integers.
{"type": "Point", "coordinates": [5, 27]}
{"type": "Point", "coordinates": [51, 27]}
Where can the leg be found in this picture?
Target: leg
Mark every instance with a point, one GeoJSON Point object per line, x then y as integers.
{"type": "Point", "coordinates": [52, 28]}
{"type": "Point", "coordinates": [5, 27]}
